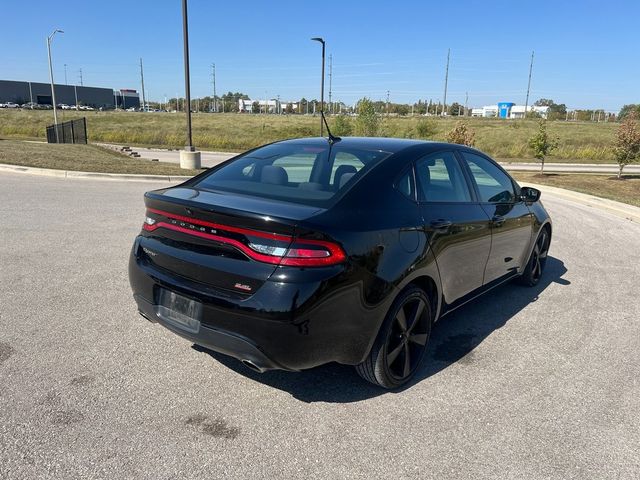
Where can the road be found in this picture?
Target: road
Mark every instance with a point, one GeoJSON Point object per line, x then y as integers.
{"type": "Point", "coordinates": [210, 159]}
{"type": "Point", "coordinates": [523, 383]}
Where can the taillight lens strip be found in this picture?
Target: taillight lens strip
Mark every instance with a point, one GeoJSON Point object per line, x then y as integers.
{"type": "Point", "coordinates": [295, 255]}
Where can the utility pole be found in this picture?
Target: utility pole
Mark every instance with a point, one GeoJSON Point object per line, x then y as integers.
{"type": "Point", "coordinates": [144, 100]}
{"type": "Point", "coordinates": [65, 74]}
{"type": "Point", "coordinates": [526, 102]}
{"type": "Point", "coordinates": [388, 103]}
{"type": "Point", "coordinates": [81, 84]}
{"type": "Point", "coordinates": [189, 158]}
{"type": "Point", "coordinates": [330, 81]}
{"type": "Point", "coordinates": [53, 90]}
{"type": "Point", "coordinates": [215, 99]}
{"type": "Point", "coordinates": [321, 40]}
{"type": "Point", "coordinates": [466, 100]}
{"type": "Point", "coordinates": [446, 82]}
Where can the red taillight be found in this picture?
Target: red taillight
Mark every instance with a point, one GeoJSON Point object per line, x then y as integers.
{"type": "Point", "coordinates": [265, 247]}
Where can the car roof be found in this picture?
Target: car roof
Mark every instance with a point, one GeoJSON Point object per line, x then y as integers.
{"type": "Point", "coordinates": [391, 145]}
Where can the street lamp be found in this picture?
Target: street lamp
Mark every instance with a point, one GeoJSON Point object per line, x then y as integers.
{"type": "Point", "coordinates": [53, 91]}
{"type": "Point", "coordinates": [321, 40]}
{"type": "Point", "coordinates": [189, 158]}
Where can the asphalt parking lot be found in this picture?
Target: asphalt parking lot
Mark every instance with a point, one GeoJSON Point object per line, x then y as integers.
{"type": "Point", "coordinates": [523, 383]}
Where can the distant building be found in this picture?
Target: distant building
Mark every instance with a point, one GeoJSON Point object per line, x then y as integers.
{"type": "Point", "coordinates": [508, 110]}
{"type": "Point", "coordinates": [272, 106]}
{"type": "Point", "coordinates": [40, 93]}
{"type": "Point", "coordinates": [487, 111]}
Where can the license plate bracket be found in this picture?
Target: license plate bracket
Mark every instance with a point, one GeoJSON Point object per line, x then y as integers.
{"type": "Point", "coordinates": [179, 311]}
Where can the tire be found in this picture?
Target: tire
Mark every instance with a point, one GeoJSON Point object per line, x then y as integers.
{"type": "Point", "coordinates": [537, 260]}
{"type": "Point", "coordinates": [401, 342]}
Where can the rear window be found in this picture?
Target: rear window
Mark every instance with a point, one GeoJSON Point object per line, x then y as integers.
{"type": "Point", "coordinates": [306, 174]}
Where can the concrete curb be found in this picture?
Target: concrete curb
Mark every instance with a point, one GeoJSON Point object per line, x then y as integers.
{"type": "Point", "coordinates": [619, 209]}
{"type": "Point", "coordinates": [126, 177]}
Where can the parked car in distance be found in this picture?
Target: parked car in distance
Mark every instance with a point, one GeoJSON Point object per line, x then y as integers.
{"type": "Point", "coordinates": [309, 251]}
{"type": "Point", "coordinates": [11, 105]}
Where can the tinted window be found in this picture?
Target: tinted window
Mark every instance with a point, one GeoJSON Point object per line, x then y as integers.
{"type": "Point", "coordinates": [405, 185]}
{"type": "Point", "coordinates": [493, 184]}
{"type": "Point", "coordinates": [441, 180]}
{"type": "Point", "coordinates": [307, 174]}
{"type": "Point", "coordinates": [344, 163]}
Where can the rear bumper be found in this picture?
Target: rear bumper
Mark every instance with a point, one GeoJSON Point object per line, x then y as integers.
{"type": "Point", "coordinates": [287, 326]}
{"type": "Point", "coordinates": [213, 339]}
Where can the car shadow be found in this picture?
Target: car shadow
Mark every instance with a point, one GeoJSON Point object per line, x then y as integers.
{"type": "Point", "coordinates": [453, 340]}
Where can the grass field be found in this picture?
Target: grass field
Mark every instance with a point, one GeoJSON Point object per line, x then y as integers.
{"type": "Point", "coordinates": [83, 158]}
{"type": "Point", "coordinates": [503, 139]}
{"type": "Point", "coordinates": [626, 190]}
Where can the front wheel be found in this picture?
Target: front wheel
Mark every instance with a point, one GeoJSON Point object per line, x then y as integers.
{"type": "Point", "coordinates": [401, 342]}
{"type": "Point", "coordinates": [537, 261]}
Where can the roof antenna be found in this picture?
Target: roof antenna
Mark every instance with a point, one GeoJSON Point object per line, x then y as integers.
{"type": "Point", "coordinates": [332, 139]}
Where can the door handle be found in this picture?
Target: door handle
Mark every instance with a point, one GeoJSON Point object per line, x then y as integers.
{"type": "Point", "coordinates": [498, 220]}
{"type": "Point", "coordinates": [441, 224]}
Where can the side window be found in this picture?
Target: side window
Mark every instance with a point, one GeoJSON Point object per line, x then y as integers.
{"type": "Point", "coordinates": [440, 179]}
{"type": "Point", "coordinates": [493, 184]}
{"type": "Point", "coordinates": [405, 185]}
{"type": "Point", "coordinates": [297, 166]}
{"type": "Point", "coordinates": [344, 163]}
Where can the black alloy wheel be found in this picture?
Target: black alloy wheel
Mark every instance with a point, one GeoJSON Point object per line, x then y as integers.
{"type": "Point", "coordinates": [402, 341]}
{"type": "Point", "coordinates": [537, 261]}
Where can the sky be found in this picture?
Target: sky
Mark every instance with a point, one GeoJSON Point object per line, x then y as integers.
{"type": "Point", "coordinates": [586, 52]}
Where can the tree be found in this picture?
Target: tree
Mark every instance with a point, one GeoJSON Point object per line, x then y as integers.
{"type": "Point", "coordinates": [342, 126]}
{"type": "Point", "coordinates": [455, 109]}
{"type": "Point", "coordinates": [255, 107]}
{"type": "Point", "coordinates": [556, 110]}
{"type": "Point", "coordinates": [367, 123]}
{"type": "Point", "coordinates": [627, 145]}
{"type": "Point", "coordinates": [426, 128]}
{"type": "Point", "coordinates": [628, 109]}
{"type": "Point", "coordinates": [289, 108]}
{"type": "Point", "coordinates": [542, 143]}
{"type": "Point", "coordinates": [461, 134]}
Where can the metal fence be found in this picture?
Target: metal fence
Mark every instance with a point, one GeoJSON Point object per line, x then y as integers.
{"type": "Point", "coordinates": [73, 131]}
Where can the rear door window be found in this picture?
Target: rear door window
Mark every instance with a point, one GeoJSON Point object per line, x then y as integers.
{"type": "Point", "coordinates": [441, 179]}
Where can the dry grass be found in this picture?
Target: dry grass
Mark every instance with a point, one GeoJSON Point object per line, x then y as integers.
{"type": "Point", "coordinates": [84, 158]}
{"type": "Point", "coordinates": [626, 190]}
{"type": "Point", "coordinates": [579, 142]}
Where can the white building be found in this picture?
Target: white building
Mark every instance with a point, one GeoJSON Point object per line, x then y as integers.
{"type": "Point", "coordinates": [487, 111]}
{"type": "Point", "coordinates": [517, 111]}
{"type": "Point", "coordinates": [271, 106]}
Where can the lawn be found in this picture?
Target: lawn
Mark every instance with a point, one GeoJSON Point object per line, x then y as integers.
{"type": "Point", "coordinates": [626, 190]}
{"type": "Point", "coordinates": [581, 142]}
{"type": "Point", "coordinates": [84, 158]}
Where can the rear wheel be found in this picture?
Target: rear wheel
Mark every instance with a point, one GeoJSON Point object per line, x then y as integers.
{"type": "Point", "coordinates": [537, 261]}
{"type": "Point", "coordinates": [401, 342]}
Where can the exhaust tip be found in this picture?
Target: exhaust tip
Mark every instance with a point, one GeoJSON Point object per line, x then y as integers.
{"type": "Point", "coordinates": [249, 364]}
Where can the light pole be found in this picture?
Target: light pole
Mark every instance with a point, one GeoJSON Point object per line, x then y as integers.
{"type": "Point", "coordinates": [321, 40]}
{"type": "Point", "coordinates": [189, 158]}
{"type": "Point", "coordinates": [53, 90]}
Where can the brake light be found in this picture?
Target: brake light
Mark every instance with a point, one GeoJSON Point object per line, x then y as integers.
{"type": "Point", "coordinates": [262, 246]}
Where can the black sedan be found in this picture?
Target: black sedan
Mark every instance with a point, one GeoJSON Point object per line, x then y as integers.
{"type": "Point", "coordinates": [310, 251]}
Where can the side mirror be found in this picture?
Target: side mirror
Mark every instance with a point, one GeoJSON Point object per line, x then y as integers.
{"type": "Point", "coordinates": [530, 194]}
